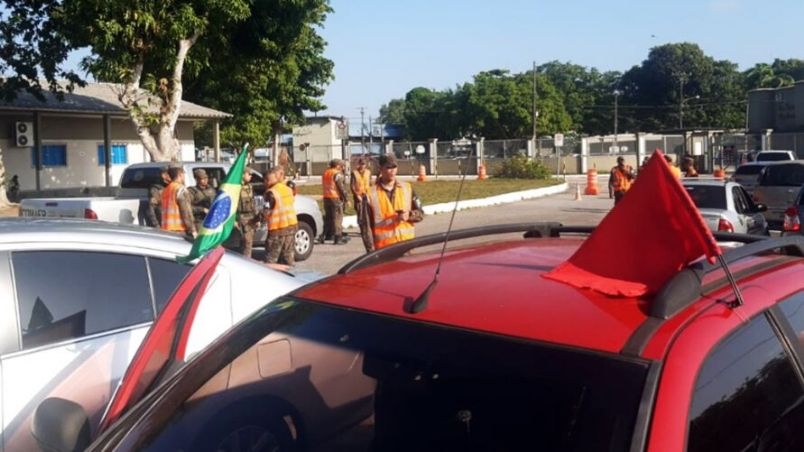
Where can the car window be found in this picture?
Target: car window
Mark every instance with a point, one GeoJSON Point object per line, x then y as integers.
{"type": "Point", "coordinates": [793, 310]}
{"type": "Point", "coordinates": [69, 294]}
{"type": "Point", "coordinates": [165, 276]}
{"type": "Point", "coordinates": [141, 177]}
{"type": "Point", "coordinates": [740, 204]}
{"type": "Point", "coordinates": [747, 396]}
{"type": "Point", "coordinates": [784, 175]}
{"type": "Point", "coordinates": [748, 170]}
{"type": "Point", "coordinates": [707, 196]}
{"type": "Point", "coordinates": [360, 381]}
{"type": "Point", "coordinates": [772, 156]}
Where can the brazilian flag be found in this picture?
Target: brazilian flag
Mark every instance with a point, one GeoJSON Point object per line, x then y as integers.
{"type": "Point", "coordinates": [220, 220]}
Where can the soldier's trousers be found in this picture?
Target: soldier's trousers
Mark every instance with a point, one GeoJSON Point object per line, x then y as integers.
{"type": "Point", "coordinates": [333, 218]}
{"type": "Point", "coordinates": [281, 246]}
{"type": "Point", "coordinates": [246, 239]}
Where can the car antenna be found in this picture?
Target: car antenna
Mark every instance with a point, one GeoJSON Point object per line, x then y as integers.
{"type": "Point", "coordinates": [420, 303]}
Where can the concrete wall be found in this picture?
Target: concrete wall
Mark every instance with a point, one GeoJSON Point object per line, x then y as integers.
{"type": "Point", "coordinates": [81, 136]}
{"type": "Point", "coordinates": [321, 135]}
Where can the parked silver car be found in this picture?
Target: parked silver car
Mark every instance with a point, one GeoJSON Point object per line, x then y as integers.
{"type": "Point", "coordinates": [778, 186]}
{"type": "Point", "coordinates": [747, 175]}
{"type": "Point", "coordinates": [78, 296]}
{"type": "Point", "coordinates": [726, 206]}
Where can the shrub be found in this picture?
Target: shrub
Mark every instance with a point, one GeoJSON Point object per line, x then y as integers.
{"type": "Point", "coordinates": [520, 167]}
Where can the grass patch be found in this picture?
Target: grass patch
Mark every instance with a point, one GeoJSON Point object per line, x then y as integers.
{"type": "Point", "coordinates": [436, 192]}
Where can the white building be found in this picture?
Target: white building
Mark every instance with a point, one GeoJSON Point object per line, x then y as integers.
{"type": "Point", "coordinates": [71, 136]}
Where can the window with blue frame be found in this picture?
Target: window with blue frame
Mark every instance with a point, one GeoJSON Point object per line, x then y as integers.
{"type": "Point", "coordinates": [119, 154]}
{"type": "Point", "coordinates": [52, 155]}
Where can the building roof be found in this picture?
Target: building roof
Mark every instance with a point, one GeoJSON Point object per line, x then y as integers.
{"type": "Point", "coordinates": [97, 98]}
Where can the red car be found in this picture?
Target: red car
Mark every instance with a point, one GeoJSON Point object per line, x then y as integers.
{"type": "Point", "coordinates": [492, 357]}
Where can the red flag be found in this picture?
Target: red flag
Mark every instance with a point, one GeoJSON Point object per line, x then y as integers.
{"type": "Point", "coordinates": [651, 234]}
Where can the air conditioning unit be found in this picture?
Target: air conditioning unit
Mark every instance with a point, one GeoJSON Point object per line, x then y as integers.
{"type": "Point", "coordinates": [23, 133]}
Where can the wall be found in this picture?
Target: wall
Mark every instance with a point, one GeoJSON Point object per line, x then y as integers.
{"type": "Point", "coordinates": [320, 134]}
{"type": "Point", "coordinates": [81, 136]}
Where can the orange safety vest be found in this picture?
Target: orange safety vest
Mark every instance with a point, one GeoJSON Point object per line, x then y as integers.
{"type": "Point", "coordinates": [621, 181]}
{"type": "Point", "coordinates": [387, 229]}
{"type": "Point", "coordinates": [328, 180]}
{"type": "Point", "coordinates": [171, 215]}
{"type": "Point", "coordinates": [283, 215]}
{"type": "Point", "coordinates": [676, 172]}
{"type": "Point", "coordinates": [362, 182]}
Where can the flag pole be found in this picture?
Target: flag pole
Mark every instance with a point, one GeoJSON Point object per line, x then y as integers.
{"type": "Point", "coordinates": [737, 294]}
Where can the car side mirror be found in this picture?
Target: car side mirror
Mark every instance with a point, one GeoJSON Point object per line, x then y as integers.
{"type": "Point", "coordinates": [761, 207]}
{"type": "Point", "coordinates": [60, 425]}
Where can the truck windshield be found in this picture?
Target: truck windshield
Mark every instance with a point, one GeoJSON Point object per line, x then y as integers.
{"type": "Point", "coordinates": [140, 177]}
{"type": "Point", "coordinates": [330, 378]}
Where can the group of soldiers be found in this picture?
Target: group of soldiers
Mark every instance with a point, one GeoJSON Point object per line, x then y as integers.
{"type": "Point", "coordinates": [176, 208]}
{"type": "Point", "coordinates": [387, 209]}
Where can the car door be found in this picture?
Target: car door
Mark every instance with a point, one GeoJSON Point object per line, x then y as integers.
{"type": "Point", "coordinates": [747, 213]}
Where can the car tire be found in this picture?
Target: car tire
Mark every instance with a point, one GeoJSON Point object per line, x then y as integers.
{"type": "Point", "coordinates": [245, 429]}
{"type": "Point", "coordinates": [303, 241]}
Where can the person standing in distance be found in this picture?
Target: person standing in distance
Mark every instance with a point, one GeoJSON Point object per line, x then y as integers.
{"type": "Point", "coordinates": [334, 202]}
{"type": "Point", "coordinates": [247, 218]}
{"type": "Point", "coordinates": [177, 210]}
{"type": "Point", "coordinates": [620, 179]}
{"type": "Point", "coordinates": [391, 207]}
{"type": "Point", "coordinates": [280, 215]}
{"type": "Point", "coordinates": [360, 184]}
{"type": "Point", "coordinates": [202, 195]}
{"type": "Point", "coordinates": [153, 211]}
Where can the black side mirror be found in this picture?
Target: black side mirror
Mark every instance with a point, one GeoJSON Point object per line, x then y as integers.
{"type": "Point", "coordinates": [60, 425]}
{"type": "Point", "coordinates": [761, 207]}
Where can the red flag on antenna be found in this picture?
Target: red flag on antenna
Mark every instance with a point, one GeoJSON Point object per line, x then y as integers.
{"type": "Point", "coordinates": [651, 234]}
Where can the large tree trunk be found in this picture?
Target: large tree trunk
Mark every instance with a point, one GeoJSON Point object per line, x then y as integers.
{"type": "Point", "coordinates": [157, 130]}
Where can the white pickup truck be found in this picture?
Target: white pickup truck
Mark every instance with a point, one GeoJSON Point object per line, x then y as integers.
{"type": "Point", "coordinates": [129, 206]}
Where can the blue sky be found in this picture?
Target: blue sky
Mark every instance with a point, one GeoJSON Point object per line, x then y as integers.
{"type": "Point", "coordinates": [383, 48]}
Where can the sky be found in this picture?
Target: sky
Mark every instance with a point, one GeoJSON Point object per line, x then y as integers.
{"type": "Point", "coordinates": [384, 48]}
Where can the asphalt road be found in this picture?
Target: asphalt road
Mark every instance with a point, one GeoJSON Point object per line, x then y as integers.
{"type": "Point", "coordinates": [562, 208]}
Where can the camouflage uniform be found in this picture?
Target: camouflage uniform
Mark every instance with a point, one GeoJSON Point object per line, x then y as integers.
{"type": "Point", "coordinates": [333, 213]}
{"type": "Point", "coordinates": [247, 219]}
{"type": "Point", "coordinates": [281, 243]}
{"type": "Point", "coordinates": [153, 211]}
{"type": "Point", "coordinates": [202, 200]}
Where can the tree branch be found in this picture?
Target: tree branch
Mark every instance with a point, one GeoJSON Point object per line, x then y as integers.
{"type": "Point", "coordinates": [177, 88]}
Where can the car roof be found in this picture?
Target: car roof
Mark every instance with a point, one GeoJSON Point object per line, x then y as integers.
{"type": "Point", "coordinates": [707, 182]}
{"type": "Point", "coordinates": [501, 302]}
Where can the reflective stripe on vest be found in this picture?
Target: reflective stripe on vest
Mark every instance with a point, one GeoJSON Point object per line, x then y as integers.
{"type": "Point", "coordinates": [621, 181]}
{"type": "Point", "coordinates": [328, 181]}
{"type": "Point", "coordinates": [283, 214]}
{"type": "Point", "coordinates": [387, 229]}
{"type": "Point", "coordinates": [171, 215]}
{"type": "Point", "coordinates": [362, 181]}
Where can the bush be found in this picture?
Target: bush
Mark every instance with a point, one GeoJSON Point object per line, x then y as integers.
{"type": "Point", "coordinates": [520, 167]}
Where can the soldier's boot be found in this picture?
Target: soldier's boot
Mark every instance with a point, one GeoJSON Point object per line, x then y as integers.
{"type": "Point", "coordinates": [341, 240]}
{"type": "Point", "coordinates": [321, 239]}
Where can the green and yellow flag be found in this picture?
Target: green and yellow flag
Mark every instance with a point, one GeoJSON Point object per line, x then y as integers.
{"type": "Point", "coordinates": [220, 220]}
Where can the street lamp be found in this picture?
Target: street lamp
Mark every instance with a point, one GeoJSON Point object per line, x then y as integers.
{"type": "Point", "coordinates": [616, 117]}
{"type": "Point", "coordinates": [681, 109]}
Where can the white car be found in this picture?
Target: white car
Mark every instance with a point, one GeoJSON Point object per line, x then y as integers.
{"type": "Point", "coordinates": [78, 296]}
{"type": "Point", "coordinates": [775, 156]}
{"type": "Point", "coordinates": [726, 206]}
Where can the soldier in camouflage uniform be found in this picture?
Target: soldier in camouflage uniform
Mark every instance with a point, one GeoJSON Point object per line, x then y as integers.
{"type": "Point", "coordinates": [202, 195]}
{"type": "Point", "coordinates": [280, 215]}
{"type": "Point", "coordinates": [247, 218]}
{"type": "Point", "coordinates": [153, 212]}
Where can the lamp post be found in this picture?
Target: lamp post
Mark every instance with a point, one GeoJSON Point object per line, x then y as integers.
{"type": "Point", "coordinates": [616, 118]}
{"type": "Point", "coordinates": [681, 109]}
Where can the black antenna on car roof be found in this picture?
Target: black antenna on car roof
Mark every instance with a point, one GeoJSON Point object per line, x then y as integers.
{"type": "Point", "coordinates": [738, 296]}
{"type": "Point", "coordinates": [420, 303]}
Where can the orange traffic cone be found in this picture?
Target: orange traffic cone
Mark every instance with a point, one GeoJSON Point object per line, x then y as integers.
{"type": "Point", "coordinates": [591, 182]}
{"type": "Point", "coordinates": [422, 174]}
{"type": "Point", "coordinates": [481, 172]}
{"type": "Point", "coordinates": [719, 173]}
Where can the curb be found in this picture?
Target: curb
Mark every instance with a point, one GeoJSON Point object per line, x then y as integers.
{"type": "Point", "coordinates": [351, 220]}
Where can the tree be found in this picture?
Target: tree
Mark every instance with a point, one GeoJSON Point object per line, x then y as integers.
{"type": "Point", "coordinates": [150, 46]}
{"type": "Point", "coordinates": [393, 112]}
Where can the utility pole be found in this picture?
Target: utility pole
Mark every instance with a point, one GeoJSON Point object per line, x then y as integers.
{"type": "Point", "coordinates": [362, 130]}
{"type": "Point", "coordinates": [371, 136]}
{"type": "Point", "coordinates": [616, 117]}
{"type": "Point", "coordinates": [535, 112]}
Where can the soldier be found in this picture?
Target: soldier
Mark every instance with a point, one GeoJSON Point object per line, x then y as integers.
{"type": "Point", "coordinates": [202, 195]}
{"type": "Point", "coordinates": [334, 201]}
{"type": "Point", "coordinates": [247, 218]}
{"type": "Point", "coordinates": [153, 212]}
{"type": "Point", "coordinates": [360, 184]}
{"type": "Point", "coordinates": [280, 215]}
{"type": "Point", "coordinates": [177, 209]}
{"type": "Point", "coordinates": [390, 208]}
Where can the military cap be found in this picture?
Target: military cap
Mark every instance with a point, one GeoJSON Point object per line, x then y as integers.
{"type": "Point", "coordinates": [388, 161]}
{"type": "Point", "coordinates": [335, 162]}
{"type": "Point", "coordinates": [199, 173]}
{"type": "Point", "coordinates": [174, 166]}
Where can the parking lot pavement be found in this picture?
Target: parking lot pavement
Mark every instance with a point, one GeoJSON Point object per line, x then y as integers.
{"type": "Point", "coordinates": [562, 208]}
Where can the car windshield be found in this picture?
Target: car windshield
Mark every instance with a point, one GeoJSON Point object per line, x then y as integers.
{"type": "Point", "coordinates": [707, 196]}
{"type": "Point", "coordinates": [141, 177]}
{"type": "Point", "coordinates": [772, 156]}
{"type": "Point", "coordinates": [785, 175]}
{"type": "Point", "coordinates": [748, 170]}
{"type": "Point", "coordinates": [341, 379]}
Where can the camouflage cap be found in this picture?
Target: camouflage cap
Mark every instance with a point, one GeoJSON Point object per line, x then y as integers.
{"type": "Point", "coordinates": [335, 162]}
{"type": "Point", "coordinates": [388, 161]}
{"type": "Point", "coordinates": [199, 173]}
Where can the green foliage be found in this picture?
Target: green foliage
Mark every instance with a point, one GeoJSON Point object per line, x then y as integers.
{"type": "Point", "coordinates": [521, 167]}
